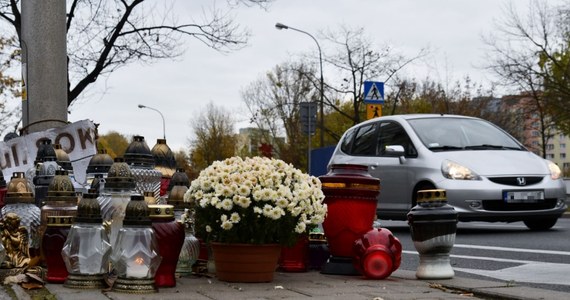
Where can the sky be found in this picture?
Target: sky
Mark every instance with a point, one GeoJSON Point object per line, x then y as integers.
{"type": "Point", "coordinates": [180, 89]}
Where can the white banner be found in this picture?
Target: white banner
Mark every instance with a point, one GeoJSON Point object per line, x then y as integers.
{"type": "Point", "coordinates": [77, 139]}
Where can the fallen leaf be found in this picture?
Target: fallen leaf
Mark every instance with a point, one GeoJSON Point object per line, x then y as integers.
{"type": "Point", "coordinates": [31, 285]}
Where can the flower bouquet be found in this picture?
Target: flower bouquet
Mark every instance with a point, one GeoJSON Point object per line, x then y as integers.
{"type": "Point", "coordinates": [255, 201]}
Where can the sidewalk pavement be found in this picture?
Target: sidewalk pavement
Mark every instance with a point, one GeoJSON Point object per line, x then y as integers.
{"type": "Point", "coordinates": [402, 284]}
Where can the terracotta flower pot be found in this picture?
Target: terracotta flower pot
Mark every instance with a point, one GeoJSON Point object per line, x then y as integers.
{"type": "Point", "coordinates": [245, 262]}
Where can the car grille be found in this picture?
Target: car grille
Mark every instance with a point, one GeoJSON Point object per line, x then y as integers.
{"type": "Point", "coordinates": [499, 205]}
{"type": "Point", "coordinates": [528, 180]}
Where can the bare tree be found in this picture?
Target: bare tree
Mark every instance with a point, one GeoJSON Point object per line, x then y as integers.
{"type": "Point", "coordinates": [519, 52]}
{"type": "Point", "coordinates": [214, 137]}
{"type": "Point", "coordinates": [356, 61]}
{"type": "Point", "coordinates": [104, 35]}
{"type": "Point", "coordinates": [274, 102]}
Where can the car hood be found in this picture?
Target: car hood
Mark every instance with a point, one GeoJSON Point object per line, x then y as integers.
{"type": "Point", "coordinates": [498, 162]}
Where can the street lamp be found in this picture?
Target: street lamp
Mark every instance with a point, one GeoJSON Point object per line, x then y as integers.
{"type": "Point", "coordinates": [163, 126]}
{"type": "Point", "coordinates": [322, 121]}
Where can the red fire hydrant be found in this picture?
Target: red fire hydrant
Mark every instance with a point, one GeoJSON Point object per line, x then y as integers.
{"type": "Point", "coordinates": [350, 194]}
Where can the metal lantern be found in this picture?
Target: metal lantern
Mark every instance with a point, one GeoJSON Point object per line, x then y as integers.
{"type": "Point", "coordinates": [141, 162]}
{"type": "Point", "coordinates": [43, 177]}
{"type": "Point", "coordinates": [179, 178]}
{"type": "Point", "coordinates": [176, 198]}
{"type": "Point", "coordinates": [165, 163]}
{"type": "Point", "coordinates": [433, 224]}
{"type": "Point", "coordinates": [98, 167]}
{"type": "Point", "coordinates": [45, 150]}
{"type": "Point", "coordinates": [87, 248]}
{"type": "Point", "coordinates": [61, 199]}
{"type": "Point", "coordinates": [136, 253]}
{"type": "Point", "coordinates": [116, 194]}
{"type": "Point", "coordinates": [20, 202]}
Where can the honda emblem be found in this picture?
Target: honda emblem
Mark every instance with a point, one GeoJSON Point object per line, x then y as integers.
{"type": "Point", "coordinates": [521, 180]}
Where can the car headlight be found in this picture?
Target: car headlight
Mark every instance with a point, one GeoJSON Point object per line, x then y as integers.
{"type": "Point", "coordinates": [453, 170]}
{"type": "Point", "coordinates": [555, 171]}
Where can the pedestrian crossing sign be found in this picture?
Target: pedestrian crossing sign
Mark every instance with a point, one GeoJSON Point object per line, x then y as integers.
{"type": "Point", "coordinates": [373, 110]}
{"type": "Point", "coordinates": [374, 92]}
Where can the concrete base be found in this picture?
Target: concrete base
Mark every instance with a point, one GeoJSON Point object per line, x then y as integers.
{"type": "Point", "coordinates": [435, 266]}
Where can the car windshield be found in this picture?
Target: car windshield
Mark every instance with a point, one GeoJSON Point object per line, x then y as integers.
{"type": "Point", "coordinates": [449, 134]}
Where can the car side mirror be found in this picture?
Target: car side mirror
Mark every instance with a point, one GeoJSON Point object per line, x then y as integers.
{"type": "Point", "coordinates": [394, 150]}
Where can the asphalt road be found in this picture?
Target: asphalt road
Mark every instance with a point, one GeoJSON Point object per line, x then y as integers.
{"type": "Point", "coordinates": [506, 252]}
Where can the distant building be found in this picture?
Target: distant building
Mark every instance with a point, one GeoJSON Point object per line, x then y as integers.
{"type": "Point", "coordinates": [528, 132]}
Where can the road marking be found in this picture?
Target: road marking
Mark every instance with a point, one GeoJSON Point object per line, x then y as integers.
{"type": "Point", "coordinates": [546, 273]}
{"type": "Point", "coordinates": [528, 270]}
{"type": "Point", "coordinates": [554, 252]}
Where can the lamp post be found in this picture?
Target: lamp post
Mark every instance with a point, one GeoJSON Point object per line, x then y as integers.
{"type": "Point", "coordinates": [321, 103]}
{"type": "Point", "coordinates": [162, 116]}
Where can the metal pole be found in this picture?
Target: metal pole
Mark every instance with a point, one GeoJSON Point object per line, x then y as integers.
{"type": "Point", "coordinates": [322, 114]}
{"type": "Point", "coordinates": [44, 65]}
{"type": "Point", "coordinates": [162, 116]}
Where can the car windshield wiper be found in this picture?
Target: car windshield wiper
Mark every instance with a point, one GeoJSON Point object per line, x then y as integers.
{"type": "Point", "coordinates": [445, 148]}
{"type": "Point", "coordinates": [489, 146]}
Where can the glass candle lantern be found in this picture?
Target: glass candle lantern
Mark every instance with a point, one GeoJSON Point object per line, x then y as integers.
{"type": "Point", "coordinates": [61, 199]}
{"type": "Point", "coordinates": [190, 248]}
{"type": "Point", "coordinates": [98, 167]}
{"type": "Point", "coordinates": [45, 172]}
{"type": "Point", "coordinates": [165, 163]}
{"type": "Point", "coordinates": [52, 242]}
{"type": "Point", "coordinates": [141, 162]}
{"type": "Point", "coordinates": [136, 253]}
{"type": "Point", "coordinates": [116, 194]}
{"type": "Point", "coordinates": [170, 237]}
{"type": "Point", "coordinates": [87, 248]}
{"type": "Point", "coordinates": [20, 201]}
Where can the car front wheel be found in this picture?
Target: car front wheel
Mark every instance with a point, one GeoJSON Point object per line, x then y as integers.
{"type": "Point", "coordinates": [540, 224]}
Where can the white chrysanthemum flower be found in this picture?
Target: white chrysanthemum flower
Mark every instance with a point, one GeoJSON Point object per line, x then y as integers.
{"type": "Point", "coordinates": [208, 228]}
{"type": "Point", "coordinates": [227, 225]}
{"type": "Point", "coordinates": [243, 190]}
{"type": "Point", "coordinates": [300, 228]}
{"type": "Point", "coordinates": [227, 204]}
{"type": "Point", "coordinates": [281, 202]}
{"type": "Point", "coordinates": [235, 218]}
{"type": "Point", "coordinates": [223, 217]}
{"type": "Point", "coordinates": [214, 201]}
{"type": "Point", "coordinates": [204, 202]}
{"type": "Point", "coordinates": [257, 210]}
{"type": "Point", "coordinates": [276, 213]}
{"type": "Point", "coordinates": [243, 201]}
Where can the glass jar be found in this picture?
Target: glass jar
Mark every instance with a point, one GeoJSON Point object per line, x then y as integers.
{"type": "Point", "coordinates": [115, 196]}
{"type": "Point", "coordinates": [52, 243]}
{"type": "Point", "coordinates": [190, 248]}
{"type": "Point", "coordinates": [20, 201]}
{"type": "Point", "coordinates": [170, 237]}
{"type": "Point", "coordinates": [135, 255]}
{"type": "Point", "coordinates": [61, 199]}
{"type": "Point", "coordinates": [87, 248]}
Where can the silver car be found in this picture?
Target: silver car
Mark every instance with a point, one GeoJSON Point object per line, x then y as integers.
{"type": "Point", "coordinates": [488, 175]}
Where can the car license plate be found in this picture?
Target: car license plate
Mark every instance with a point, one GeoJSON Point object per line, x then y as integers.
{"type": "Point", "coordinates": [523, 196]}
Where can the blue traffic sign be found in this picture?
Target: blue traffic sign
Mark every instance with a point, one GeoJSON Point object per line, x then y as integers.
{"type": "Point", "coordinates": [374, 92]}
